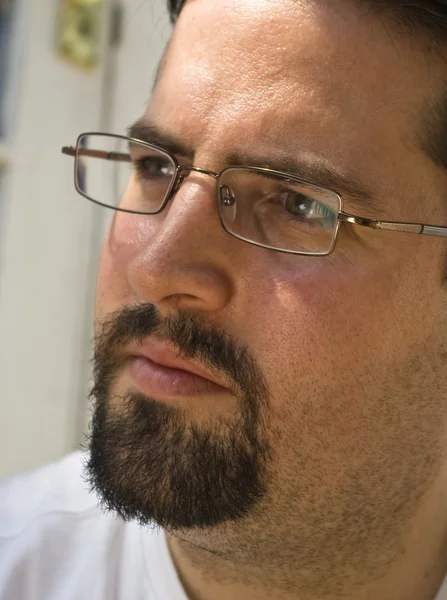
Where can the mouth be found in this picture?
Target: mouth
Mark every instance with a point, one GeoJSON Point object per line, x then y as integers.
{"type": "Point", "coordinates": [158, 371]}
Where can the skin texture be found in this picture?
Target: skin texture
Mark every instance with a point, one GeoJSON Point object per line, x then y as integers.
{"type": "Point", "coordinates": [351, 347]}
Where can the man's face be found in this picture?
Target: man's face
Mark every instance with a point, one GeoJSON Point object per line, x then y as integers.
{"type": "Point", "coordinates": [331, 422]}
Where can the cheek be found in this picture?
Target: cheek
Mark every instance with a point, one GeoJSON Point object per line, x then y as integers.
{"type": "Point", "coordinates": [336, 341]}
{"type": "Point", "coordinates": [315, 334]}
{"type": "Point", "coordinates": [126, 237]}
{"type": "Point", "coordinates": [325, 323]}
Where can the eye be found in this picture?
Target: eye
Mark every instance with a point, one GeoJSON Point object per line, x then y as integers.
{"type": "Point", "coordinates": [154, 167]}
{"type": "Point", "coordinates": [298, 204]}
{"type": "Point", "coordinates": [305, 207]}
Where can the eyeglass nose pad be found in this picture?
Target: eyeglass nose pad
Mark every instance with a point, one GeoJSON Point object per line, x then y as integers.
{"type": "Point", "coordinates": [180, 179]}
{"type": "Point", "coordinates": [228, 203]}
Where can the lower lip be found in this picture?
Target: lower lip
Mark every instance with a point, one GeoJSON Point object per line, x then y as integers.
{"type": "Point", "coordinates": [163, 382]}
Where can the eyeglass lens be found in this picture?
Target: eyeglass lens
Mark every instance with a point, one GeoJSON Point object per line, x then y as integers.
{"type": "Point", "coordinates": [259, 206]}
{"type": "Point", "coordinates": [278, 211]}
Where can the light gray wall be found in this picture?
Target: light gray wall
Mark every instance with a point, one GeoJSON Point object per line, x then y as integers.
{"type": "Point", "coordinates": [50, 237]}
{"type": "Point", "coordinates": [44, 253]}
{"type": "Point", "coordinates": [146, 30]}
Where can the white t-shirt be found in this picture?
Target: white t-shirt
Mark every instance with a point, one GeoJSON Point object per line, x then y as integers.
{"type": "Point", "coordinates": [56, 544]}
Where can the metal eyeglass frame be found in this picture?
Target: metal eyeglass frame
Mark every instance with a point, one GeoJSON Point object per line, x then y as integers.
{"type": "Point", "coordinates": [342, 217]}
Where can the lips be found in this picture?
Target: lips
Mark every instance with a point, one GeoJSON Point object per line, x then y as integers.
{"type": "Point", "coordinates": [158, 370]}
{"type": "Point", "coordinates": [166, 356]}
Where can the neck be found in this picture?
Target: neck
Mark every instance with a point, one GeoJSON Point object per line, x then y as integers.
{"type": "Point", "coordinates": [415, 574]}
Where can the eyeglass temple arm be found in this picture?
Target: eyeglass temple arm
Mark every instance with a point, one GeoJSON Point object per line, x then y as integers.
{"type": "Point", "coordinates": [393, 225]}
{"type": "Point", "coordinates": [118, 156]}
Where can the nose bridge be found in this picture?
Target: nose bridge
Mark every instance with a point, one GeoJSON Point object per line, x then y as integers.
{"type": "Point", "coordinates": [183, 170]}
{"type": "Point", "coordinates": [201, 194]}
{"type": "Point", "coordinates": [183, 265]}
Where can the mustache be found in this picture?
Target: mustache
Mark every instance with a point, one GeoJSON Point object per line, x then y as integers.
{"type": "Point", "coordinates": [193, 336]}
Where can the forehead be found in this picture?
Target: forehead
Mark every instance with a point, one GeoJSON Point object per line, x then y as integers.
{"type": "Point", "coordinates": [311, 78]}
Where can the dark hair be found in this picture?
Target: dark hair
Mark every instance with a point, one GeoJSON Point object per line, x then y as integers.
{"type": "Point", "coordinates": [426, 18]}
{"type": "Point", "coordinates": [429, 16]}
{"type": "Point", "coordinates": [174, 7]}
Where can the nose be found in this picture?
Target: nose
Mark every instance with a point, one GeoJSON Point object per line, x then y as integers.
{"type": "Point", "coordinates": [185, 264]}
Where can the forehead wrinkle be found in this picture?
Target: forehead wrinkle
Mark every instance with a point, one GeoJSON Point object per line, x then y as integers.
{"type": "Point", "coordinates": [301, 26]}
{"type": "Point", "coordinates": [228, 93]}
{"type": "Point", "coordinates": [223, 133]}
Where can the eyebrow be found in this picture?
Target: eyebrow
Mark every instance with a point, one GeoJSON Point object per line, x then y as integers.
{"type": "Point", "coordinates": [148, 132]}
{"type": "Point", "coordinates": [313, 172]}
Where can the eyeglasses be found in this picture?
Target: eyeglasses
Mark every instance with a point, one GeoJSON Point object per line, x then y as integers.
{"type": "Point", "coordinates": [267, 208]}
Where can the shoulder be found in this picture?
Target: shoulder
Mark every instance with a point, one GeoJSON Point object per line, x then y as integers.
{"type": "Point", "coordinates": [57, 544]}
{"type": "Point", "coordinates": [55, 489]}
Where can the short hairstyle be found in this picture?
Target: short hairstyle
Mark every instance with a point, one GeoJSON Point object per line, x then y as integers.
{"type": "Point", "coordinates": [425, 18]}
{"type": "Point", "coordinates": [174, 7]}
{"type": "Point", "coordinates": [429, 16]}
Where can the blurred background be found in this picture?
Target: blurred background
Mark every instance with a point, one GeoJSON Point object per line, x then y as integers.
{"type": "Point", "coordinates": [66, 67]}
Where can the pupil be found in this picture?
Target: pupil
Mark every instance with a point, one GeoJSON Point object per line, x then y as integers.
{"type": "Point", "coordinates": [155, 167]}
{"type": "Point", "coordinates": [299, 204]}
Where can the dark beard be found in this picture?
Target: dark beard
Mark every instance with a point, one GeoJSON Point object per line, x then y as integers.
{"type": "Point", "coordinates": [152, 463]}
